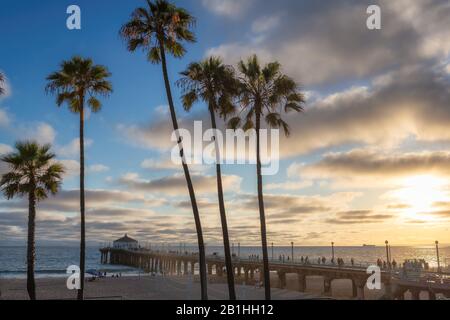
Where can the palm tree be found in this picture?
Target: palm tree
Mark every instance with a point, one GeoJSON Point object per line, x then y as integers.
{"type": "Point", "coordinates": [158, 29]}
{"type": "Point", "coordinates": [2, 81]}
{"type": "Point", "coordinates": [33, 173]}
{"type": "Point", "coordinates": [214, 83]}
{"type": "Point", "coordinates": [265, 92]}
{"type": "Point", "coordinates": [77, 82]}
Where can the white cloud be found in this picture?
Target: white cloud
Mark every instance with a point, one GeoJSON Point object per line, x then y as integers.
{"type": "Point", "coordinates": [4, 149]}
{"type": "Point", "coordinates": [98, 168]}
{"type": "Point", "coordinates": [229, 8]}
{"type": "Point", "coordinates": [266, 23]}
{"type": "Point", "coordinates": [72, 168]}
{"type": "Point", "coordinates": [158, 164]}
{"type": "Point", "coordinates": [72, 148]}
{"type": "Point", "coordinates": [175, 185]}
{"type": "Point", "coordinates": [4, 118]}
{"type": "Point", "coordinates": [42, 133]}
{"type": "Point", "coordinates": [289, 185]}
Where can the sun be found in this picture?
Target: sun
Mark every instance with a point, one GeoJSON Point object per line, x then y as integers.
{"type": "Point", "coordinates": [420, 194]}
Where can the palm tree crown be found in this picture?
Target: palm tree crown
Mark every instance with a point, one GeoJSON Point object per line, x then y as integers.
{"type": "Point", "coordinates": [78, 79]}
{"type": "Point", "coordinates": [31, 169]}
{"type": "Point", "coordinates": [266, 92]}
{"type": "Point", "coordinates": [162, 24]}
{"type": "Point", "coordinates": [213, 82]}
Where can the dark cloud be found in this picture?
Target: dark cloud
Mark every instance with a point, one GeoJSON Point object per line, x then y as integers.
{"type": "Point", "coordinates": [366, 163]}
{"type": "Point", "coordinates": [176, 184]}
{"type": "Point", "coordinates": [324, 42]}
{"type": "Point", "coordinates": [358, 217]}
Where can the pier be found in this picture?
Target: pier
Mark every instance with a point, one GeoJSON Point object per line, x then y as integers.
{"type": "Point", "coordinates": [245, 270]}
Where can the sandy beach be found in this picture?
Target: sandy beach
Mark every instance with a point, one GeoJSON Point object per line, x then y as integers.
{"type": "Point", "coordinates": [172, 288]}
{"type": "Point", "coordinates": [137, 288]}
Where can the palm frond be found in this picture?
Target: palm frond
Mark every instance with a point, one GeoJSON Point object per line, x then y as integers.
{"type": "Point", "coordinates": [160, 24]}
{"type": "Point", "coordinates": [31, 169]}
{"type": "Point", "coordinates": [76, 79]}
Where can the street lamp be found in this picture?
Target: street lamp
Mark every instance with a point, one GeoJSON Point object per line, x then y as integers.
{"type": "Point", "coordinates": [292, 251]}
{"type": "Point", "coordinates": [387, 251]}
{"type": "Point", "coordinates": [239, 250]}
{"type": "Point", "coordinates": [332, 252]}
{"type": "Point", "coordinates": [437, 254]}
{"type": "Point", "coordinates": [272, 251]}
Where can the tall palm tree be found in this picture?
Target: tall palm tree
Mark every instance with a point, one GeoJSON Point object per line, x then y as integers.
{"type": "Point", "coordinates": [77, 82]}
{"type": "Point", "coordinates": [2, 81]}
{"type": "Point", "coordinates": [33, 173]}
{"type": "Point", "coordinates": [214, 83]}
{"type": "Point", "coordinates": [158, 29]}
{"type": "Point", "coordinates": [265, 92]}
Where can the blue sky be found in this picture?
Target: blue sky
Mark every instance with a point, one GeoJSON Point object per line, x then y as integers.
{"type": "Point", "coordinates": [354, 160]}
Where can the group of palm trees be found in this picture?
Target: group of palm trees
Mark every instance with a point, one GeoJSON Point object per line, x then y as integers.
{"type": "Point", "coordinates": [262, 93]}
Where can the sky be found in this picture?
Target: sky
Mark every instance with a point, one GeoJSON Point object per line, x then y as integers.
{"type": "Point", "coordinates": [368, 160]}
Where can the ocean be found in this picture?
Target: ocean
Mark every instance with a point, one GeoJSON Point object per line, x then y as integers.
{"type": "Point", "coordinates": [53, 261]}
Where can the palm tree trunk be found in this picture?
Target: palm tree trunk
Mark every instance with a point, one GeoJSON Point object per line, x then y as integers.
{"type": "Point", "coordinates": [223, 217]}
{"type": "Point", "coordinates": [82, 203]}
{"type": "Point", "coordinates": [31, 286]}
{"type": "Point", "coordinates": [198, 225]}
{"type": "Point", "coordinates": [262, 215]}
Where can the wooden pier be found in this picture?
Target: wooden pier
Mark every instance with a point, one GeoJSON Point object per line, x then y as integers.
{"type": "Point", "coordinates": [185, 264]}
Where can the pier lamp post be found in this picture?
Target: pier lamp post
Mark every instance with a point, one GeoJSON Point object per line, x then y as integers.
{"type": "Point", "coordinates": [387, 252]}
{"type": "Point", "coordinates": [437, 254]}
{"type": "Point", "coordinates": [239, 250]}
{"type": "Point", "coordinates": [332, 252]}
{"type": "Point", "coordinates": [272, 251]}
{"type": "Point", "coordinates": [292, 251]}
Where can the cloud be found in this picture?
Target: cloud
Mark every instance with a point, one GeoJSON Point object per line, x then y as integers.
{"type": "Point", "coordinates": [4, 119]}
{"type": "Point", "coordinates": [266, 23]}
{"type": "Point", "coordinates": [408, 103]}
{"type": "Point", "coordinates": [368, 168]}
{"type": "Point", "coordinates": [293, 206]}
{"type": "Point", "coordinates": [73, 148]}
{"type": "Point", "coordinates": [358, 217]}
{"type": "Point", "coordinates": [175, 185]}
{"type": "Point", "coordinates": [98, 168]}
{"type": "Point", "coordinates": [41, 132]}
{"type": "Point", "coordinates": [289, 185]}
{"type": "Point", "coordinates": [68, 201]}
{"type": "Point", "coordinates": [5, 149]}
{"type": "Point", "coordinates": [157, 134]}
{"type": "Point", "coordinates": [72, 168]}
{"type": "Point", "coordinates": [228, 8]}
{"type": "Point", "coordinates": [315, 52]}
